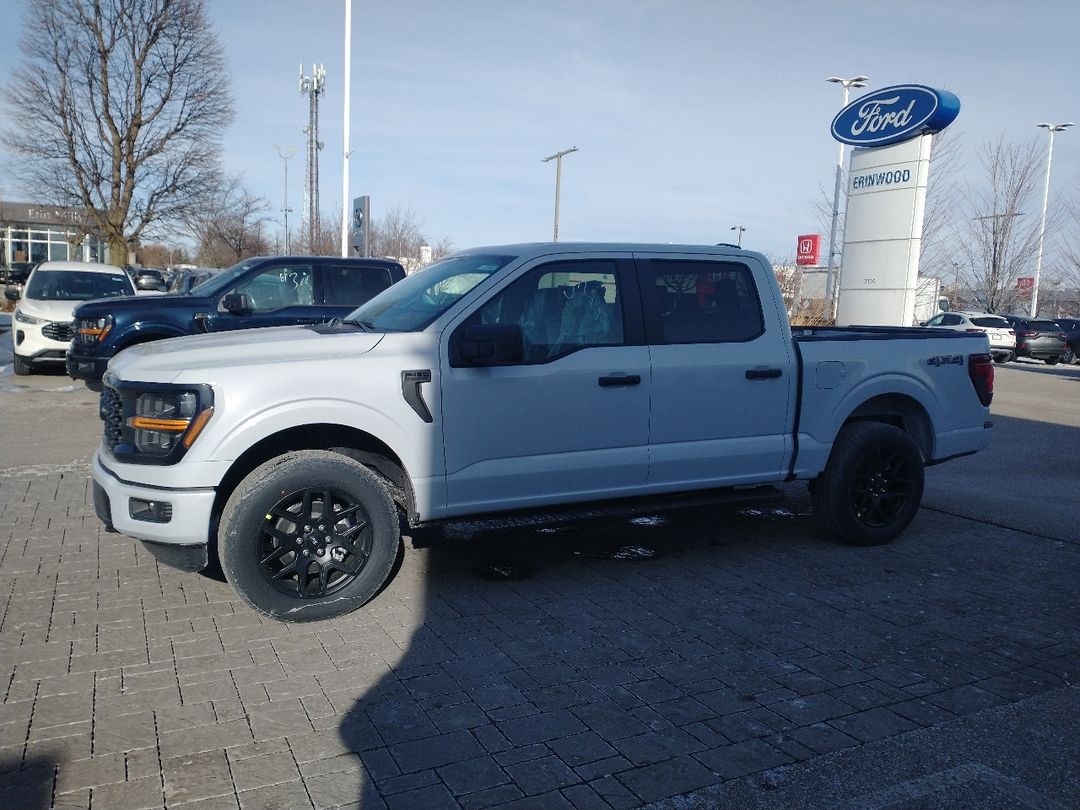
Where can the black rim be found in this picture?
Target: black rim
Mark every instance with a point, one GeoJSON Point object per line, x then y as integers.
{"type": "Point", "coordinates": [881, 487]}
{"type": "Point", "coordinates": [314, 542]}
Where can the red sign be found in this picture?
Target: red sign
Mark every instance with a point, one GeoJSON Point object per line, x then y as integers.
{"type": "Point", "coordinates": [1025, 282]}
{"type": "Point", "coordinates": [809, 250]}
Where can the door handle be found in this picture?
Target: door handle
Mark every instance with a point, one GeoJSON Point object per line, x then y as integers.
{"type": "Point", "coordinates": [620, 379]}
{"type": "Point", "coordinates": [763, 373]}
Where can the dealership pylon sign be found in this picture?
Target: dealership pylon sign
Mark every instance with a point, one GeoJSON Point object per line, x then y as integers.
{"type": "Point", "coordinates": [892, 130]}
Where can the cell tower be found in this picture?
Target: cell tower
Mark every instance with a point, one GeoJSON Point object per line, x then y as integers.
{"type": "Point", "coordinates": [314, 86]}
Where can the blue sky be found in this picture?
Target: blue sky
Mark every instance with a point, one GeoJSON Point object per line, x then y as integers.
{"type": "Point", "coordinates": [690, 117]}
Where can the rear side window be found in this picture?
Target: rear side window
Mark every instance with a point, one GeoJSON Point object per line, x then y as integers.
{"type": "Point", "coordinates": [992, 323]}
{"type": "Point", "coordinates": [352, 286]}
{"type": "Point", "coordinates": [705, 301]}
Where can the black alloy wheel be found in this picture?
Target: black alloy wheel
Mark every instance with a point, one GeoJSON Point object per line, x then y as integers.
{"type": "Point", "coordinates": [314, 542]}
{"type": "Point", "coordinates": [872, 485]}
{"type": "Point", "coordinates": [309, 535]}
{"type": "Point", "coordinates": [881, 486]}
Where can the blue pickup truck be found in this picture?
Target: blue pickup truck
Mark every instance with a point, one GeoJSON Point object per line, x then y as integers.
{"type": "Point", "coordinates": [263, 291]}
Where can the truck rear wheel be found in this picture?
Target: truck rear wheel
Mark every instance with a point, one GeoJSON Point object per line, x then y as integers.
{"type": "Point", "coordinates": [872, 484]}
{"type": "Point", "coordinates": [309, 535]}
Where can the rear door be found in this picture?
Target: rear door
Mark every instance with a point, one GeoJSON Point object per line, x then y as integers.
{"type": "Point", "coordinates": [571, 421]}
{"type": "Point", "coordinates": [345, 286]}
{"type": "Point", "coordinates": [723, 390]}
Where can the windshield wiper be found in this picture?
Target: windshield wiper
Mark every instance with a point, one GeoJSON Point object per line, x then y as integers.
{"type": "Point", "coordinates": [366, 326]}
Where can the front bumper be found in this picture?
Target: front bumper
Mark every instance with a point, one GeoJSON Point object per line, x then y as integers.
{"type": "Point", "coordinates": [117, 502]}
{"type": "Point", "coordinates": [82, 366]}
{"type": "Point", "coordinates": [32, 346]}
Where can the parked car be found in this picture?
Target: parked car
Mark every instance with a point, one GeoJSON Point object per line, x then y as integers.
{"type": "Point", "coordinates": [41, 325]}
{"type": "Point", "coordinates": [184, 280]}
{"type": "Point", "coordinates": [264, 291]}
{"type": "Point", "coordinates": [1071, 328]}
{"type": "Point", "coordinates": [552, 377]}
{"type": "Point", "coordinates": [16, 273]}
{"type": "Point", "coordinates": [997, 329]}
{"type": "Point", "coordinates": [1038, 338]}
{"type": "Point", "coordinates": [149, 280]}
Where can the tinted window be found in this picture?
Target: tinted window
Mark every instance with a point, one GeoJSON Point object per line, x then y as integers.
{"type": "Point", "coordinates": [560, 307]}
{"type": "Point", "coordinates": [992, 322]}
{"type": "Point", "coordinates": [75, 285]}
{"type": "Point", "coordinates": [1042, 326]}
{"type": "Point", "coordinates": [951, 320]}
{"type": "Point", "coordinates": [705, 302]}
{"type": "Point", "coordinates": [352, 286]}
{"type": "Point", "coordinates": [279, 287]}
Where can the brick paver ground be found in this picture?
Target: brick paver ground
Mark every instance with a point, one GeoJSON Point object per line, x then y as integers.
{"type": "Point", "coordinates": [746, 642]}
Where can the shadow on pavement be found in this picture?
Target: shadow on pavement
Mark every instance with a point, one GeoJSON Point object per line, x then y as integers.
{"type": "Point", "coordinates": [26, 785]}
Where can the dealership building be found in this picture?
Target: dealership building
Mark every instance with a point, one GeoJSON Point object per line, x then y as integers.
{"type": "Point", "coordinates": [30, 232]}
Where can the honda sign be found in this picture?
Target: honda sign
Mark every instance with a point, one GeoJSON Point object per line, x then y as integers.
{"type": "Point", "coordinates": [809, 250]}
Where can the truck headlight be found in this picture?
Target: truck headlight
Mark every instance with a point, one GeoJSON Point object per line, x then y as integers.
{"type": "Point", "coordinates": [165, 420]}
{"type": "Point", "coordinates": [93, 330]}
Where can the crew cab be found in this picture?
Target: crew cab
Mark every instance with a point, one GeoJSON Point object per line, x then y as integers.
{"type": "Point", "coordinates": [544, 379]}
{"type": "Point", "coordinates": [264, 291]}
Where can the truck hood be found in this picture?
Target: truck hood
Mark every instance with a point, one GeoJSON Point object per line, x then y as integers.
{"type": "Point", "coordinates": [101, 307]}
{"type": "Point", "coordinates": [166, 360]}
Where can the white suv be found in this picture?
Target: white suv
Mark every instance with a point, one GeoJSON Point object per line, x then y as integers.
{"type": "Point", "coordinates": [41, 328]}
{"type": "Point", "coordinates": [997, 329]}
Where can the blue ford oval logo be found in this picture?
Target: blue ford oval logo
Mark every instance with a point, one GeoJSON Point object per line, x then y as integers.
{"type": "Point", "coordinates": [894, 114]}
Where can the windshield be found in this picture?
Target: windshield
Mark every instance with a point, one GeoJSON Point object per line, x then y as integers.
{"type": "Point", "coordinates": [76, 285]}
{"type": "Point", "coordinates": [412, 304]}
{"type": "Point", "coordinates": [224, 280]}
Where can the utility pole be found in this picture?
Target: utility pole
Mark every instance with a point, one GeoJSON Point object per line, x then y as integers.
{"type": "Point", "coordinates": [314, 86]}
{"type": "Point", "coordinates": [1051, 129]}
{"type": "Point", "coordinates": [740, 229]}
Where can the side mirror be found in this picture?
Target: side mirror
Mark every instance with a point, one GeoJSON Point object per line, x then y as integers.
{"type": "Point", "coordinates": [236, 303]}
{"type": "Point", "coordinates": [11, 293]}
{"type": "Point", "coordinates": [490, 345]}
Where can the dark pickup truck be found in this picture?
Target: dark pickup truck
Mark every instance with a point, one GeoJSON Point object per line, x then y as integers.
{"type": "Point", "coordinates": [264, 291]}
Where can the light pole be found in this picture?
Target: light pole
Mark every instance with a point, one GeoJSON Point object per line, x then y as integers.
{"type": "Point", "coordinates": [847, 84]}
{"type": "Point", "coordinates": [740, 229]}
{"type": "Point", "coordinates": [285, 209]}
{"type": "Point", "coordinates": [557, 157]}
{"type": "Point", "coordinates": [1051, 128]}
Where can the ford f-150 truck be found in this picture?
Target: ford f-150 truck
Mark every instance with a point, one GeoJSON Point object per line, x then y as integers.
{"type": "Point", "coordinates": [538, 377]}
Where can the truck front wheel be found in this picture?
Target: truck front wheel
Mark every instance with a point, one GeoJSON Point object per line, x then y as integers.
{"type": "Point", "coordinates": [309, 535]}
{"type": "Point", "coordinates": [872, 484]}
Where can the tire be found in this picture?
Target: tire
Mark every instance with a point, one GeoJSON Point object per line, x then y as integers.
{"type": "Point", "coordinates": [872, 485]}
{"type": "Point", "coordinates": [1052, 361]}
{"type": "Point", "coordinates": [21, 367]}
{"type": "Point", "coordinates": [274, 516]}
{"type": "Point", "coordinates": [1001, 358]}
{"type": "Point", "coordinates": [1069, 357]}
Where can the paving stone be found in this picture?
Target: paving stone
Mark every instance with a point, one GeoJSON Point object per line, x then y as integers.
{"type": "Point", "coordinates": [196, 776]}
{"type": "Point", "coordinates": [822, 737]}
{"type": "Point", "coordinates": [804, 711]}
{"type": "Point", "coordinates": [662, 780]}
{"type": "Point", "coordinates": [965, 699]}
{"type": "Point", "coordinates": [271, 769]}
{"type": "Point", "coordinates": [434, 752]}
{"type": "Point", "coordinates": [743, 758]}
{"type": "Point", "coordinates": [582, 748]}
{"type": "Point", "coordinates": [472, 775]}
{"type": "Point", "coordinates": [609, 720]}
{"type": "Point", "coordinates": [286, 796]}
{"type": "Point", "coordinates": [87, 773]}
{"type": "Point", "coordinates": [873, 724]}
{"type": "Point", "coordinates": [542, 727]}
{"type": "Point", "coordinates": [138, 794]}
{"type": "Point", "coordinates": [432, 797]}
{"type": "Point", "coordinates": [646, 749]}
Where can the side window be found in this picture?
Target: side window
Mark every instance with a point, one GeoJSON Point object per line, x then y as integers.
{"type": "Point", "coordinates": [705, 301]}
{"type": "Point", "coordinates": [935, 321]}
{"type": "Point", "coordinates": [951, 320]}
{"type": "Point", "coordinates": [279, 287]}
{"type": "Point", "coordinates": [352, 286]}
{"type": "Point", "coordinates": [560, 307]}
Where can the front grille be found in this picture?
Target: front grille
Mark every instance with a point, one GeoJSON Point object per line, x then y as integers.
{"type": "Point", "coordinates": [58, 331]}
{"type": "Point", "coordinates": [111, 409]}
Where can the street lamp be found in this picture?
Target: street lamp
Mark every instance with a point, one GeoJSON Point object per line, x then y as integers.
{"type": "Point", "coordinates": [847, 84]}
{"type": "Point", "coordinates": [285, 209]}
{"type": "Point", "coordinates": [740, 229]}
{"type": "Point", "coordinates": [557, 157]}
{"type": "Point", "coordinates": [1051, 128]}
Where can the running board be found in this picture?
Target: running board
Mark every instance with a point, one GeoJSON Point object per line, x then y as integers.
{"type": "Point", "coordinates": [605, 510]}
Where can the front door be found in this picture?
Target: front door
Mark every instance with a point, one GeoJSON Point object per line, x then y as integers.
{"type": "Point", "coordinates": [281, 295]}
{"type": "Point", "coordinates": [571, 421]}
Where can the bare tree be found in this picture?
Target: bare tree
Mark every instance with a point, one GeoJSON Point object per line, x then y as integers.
{"type": "Point", "coordinates": [228, 226]}
{"type": "Point", "coordinates": [397, 234]}
{"type": "Point", "coordinates": [995, 232]}
{"type": "Point", "coordinates": [118, 107]}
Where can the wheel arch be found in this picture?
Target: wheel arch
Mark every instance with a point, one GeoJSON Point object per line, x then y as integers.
{"type": "Point", "coordinates": [349, 441]}
{"type": "Point", "coordinates": [900, 411]}
{"type": "Point", "coordinates": [145, 334]}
